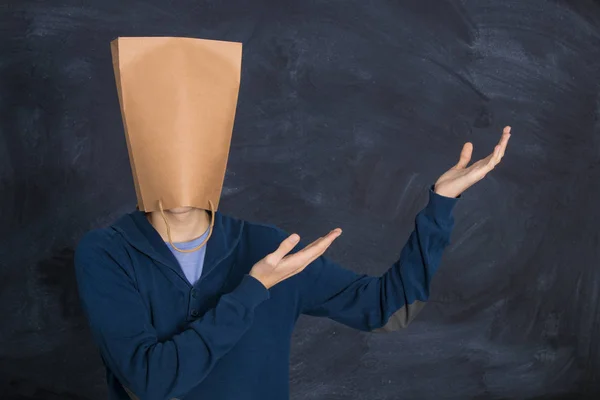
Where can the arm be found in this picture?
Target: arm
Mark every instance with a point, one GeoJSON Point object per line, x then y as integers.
{"type": "Point", "coordinates": [391, 301]}
{"type": "Point", "coordinates": [122, 328]}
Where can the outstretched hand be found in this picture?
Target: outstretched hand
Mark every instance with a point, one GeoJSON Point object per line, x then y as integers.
{"type": "Point", "coordinates": [460, 177]}
{"type": "Point", "coordinates": [280, 265]}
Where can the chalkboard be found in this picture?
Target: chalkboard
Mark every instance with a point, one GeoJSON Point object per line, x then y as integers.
{"type": "Point", "coordinates": [348, 111]}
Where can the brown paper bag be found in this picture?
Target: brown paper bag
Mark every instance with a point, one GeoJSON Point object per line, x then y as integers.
{"type": "Point", "coordinates": [178, 98]}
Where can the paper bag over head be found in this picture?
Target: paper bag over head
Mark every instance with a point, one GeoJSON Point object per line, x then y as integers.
{"type": "Point", "coordinates": [178, 98]}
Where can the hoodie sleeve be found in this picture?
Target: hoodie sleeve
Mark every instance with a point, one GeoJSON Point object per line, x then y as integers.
{"type": "Point", "coordinates": [121, 326]}
{"type": "Point", "coordinates": [388, 302]}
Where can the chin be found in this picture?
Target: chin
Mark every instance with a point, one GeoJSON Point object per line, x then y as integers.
{"type": "Point", "coordinates": [180, 210]}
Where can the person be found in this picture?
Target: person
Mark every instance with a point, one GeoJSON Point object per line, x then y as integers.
{"type": "Point", "coordinates": [188, 303]}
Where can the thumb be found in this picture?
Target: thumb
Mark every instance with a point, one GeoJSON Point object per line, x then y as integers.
{"type": "Point", "coordinates": [465, 156]}
{"type": "Point", "coordinates": [284, 248]}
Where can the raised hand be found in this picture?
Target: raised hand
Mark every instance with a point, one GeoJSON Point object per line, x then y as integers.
{"type": "Point", "coordinates": [279, 266]}
{"type": "Point", "coordinates": [460, 177]}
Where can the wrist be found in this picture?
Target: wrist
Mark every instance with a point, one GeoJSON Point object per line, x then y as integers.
{"type": "Point", "coordinates": [446, 195]}
{"type": "Point", "coordinates": [444, 192]}
{"type": "Point", "coordinates": [261, 281]}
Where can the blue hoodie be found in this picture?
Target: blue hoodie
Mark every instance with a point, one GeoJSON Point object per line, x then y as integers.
{"type": "Point", "coordinates": [227, 337]}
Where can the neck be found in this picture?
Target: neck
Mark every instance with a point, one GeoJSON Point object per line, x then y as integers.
{"type": "Point", "coordinates": [186, 223]}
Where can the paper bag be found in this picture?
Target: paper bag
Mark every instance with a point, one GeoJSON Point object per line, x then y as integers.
{"type": "Point", "coordinates": [178, 98]}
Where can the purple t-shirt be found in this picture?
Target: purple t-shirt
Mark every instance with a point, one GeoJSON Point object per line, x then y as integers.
{"type": "Point", "coordinates": [191, 263]}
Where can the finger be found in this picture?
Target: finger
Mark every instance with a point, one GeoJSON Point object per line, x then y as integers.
{"type": "Point", "coordinates": [320, 248]}
{"type": "Point", "coordinates": [321, 244]}
{"type": "Point", "coordinates": [313, 251]}
{"type": "Point", "coordinates": [319, 240]}
{"type": "Point", "coordinates": [284, 248]}
{"type": "Point", "coordinates": [494, 158]}
{"type": "Point", "coordinates": [294, 260]}
{"type": "Point", "coordinates": [314, 243]}
{"type": "Point", "coordinates": [504, 140]}
{"type": "Point", "coordinates": [465, 156]}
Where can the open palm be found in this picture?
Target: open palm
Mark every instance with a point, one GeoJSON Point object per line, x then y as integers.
{"type": "Point", "coordinates": [460, 177]}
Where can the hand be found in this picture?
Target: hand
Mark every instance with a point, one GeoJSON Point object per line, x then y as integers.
{"type": "Point", "coordinates": [460, 177]}
{"type": "Point", "coordinates": [278, 266]}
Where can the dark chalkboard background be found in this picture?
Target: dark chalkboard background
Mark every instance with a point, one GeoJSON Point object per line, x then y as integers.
{"type": "Point", "coordinates": [348, 111]}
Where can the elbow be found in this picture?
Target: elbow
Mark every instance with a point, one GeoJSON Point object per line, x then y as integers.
{"type": "Point", "coordinates": [401, 318]}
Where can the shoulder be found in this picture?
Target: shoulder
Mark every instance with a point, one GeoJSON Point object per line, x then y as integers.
{"type": "Point", "coordinates": [98, 250]}
{"type": "Point", "coordinates": [97, 241]}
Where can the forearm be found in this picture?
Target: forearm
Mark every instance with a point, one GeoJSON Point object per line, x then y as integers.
{"type": "Point", "coordinates": [405, 287]}
{"type": "Point", "coordinates": [153, 369]}
{"type": "Point", "coordinates": [391, 301]}
{"type": "Point", "coordinates": [122, 327]}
